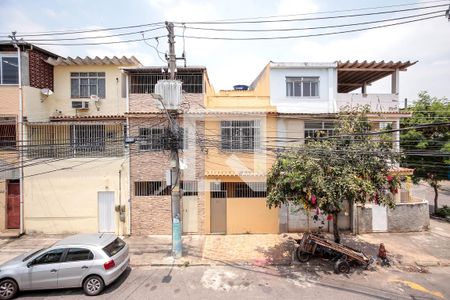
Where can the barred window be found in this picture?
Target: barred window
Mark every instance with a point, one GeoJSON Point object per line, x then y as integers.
{"type": "Point", "coordinates": [7, 136]}
{"type": "Point", "coordinates": [239, 190]}
{"type": "Point", "coordinates": [302, 86]}
{"type": "Point", "coordinates": [240, 135]}
{"type": "Point", "coordinates": [84, 84]}
{"type": "Point", "coordinates": [318, 129]}
{"type": "Point", "coordinates": [151, 188]}
{"type": "Point", "coordinates": [159, 138]}
{"type": "Point", "coordinates": [189, 188]}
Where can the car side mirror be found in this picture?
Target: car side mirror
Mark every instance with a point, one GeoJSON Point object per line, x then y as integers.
{"type": "Point", "coordinates": [29, 264]}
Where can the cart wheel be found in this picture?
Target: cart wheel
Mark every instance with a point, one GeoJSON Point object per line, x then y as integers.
{"type": "Point", "coordinates": [302, 256]}
{"type": "Point", "coordinates": [342, 266]}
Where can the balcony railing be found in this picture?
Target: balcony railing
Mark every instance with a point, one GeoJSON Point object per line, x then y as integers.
{"type": "Point", "coordinates": [376, 102]}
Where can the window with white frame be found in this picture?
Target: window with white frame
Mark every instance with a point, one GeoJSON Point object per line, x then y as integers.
{"type": "Point", "coordinates": [302, 86]}
{"type": "Point", "coordinates": [9, 69]}
{"type": "Point", "coordinates": [314, 129]}
{"type": "Point", "coordinates": [86, 84]}
{"type": "Point", "coordinates": [240, 135]}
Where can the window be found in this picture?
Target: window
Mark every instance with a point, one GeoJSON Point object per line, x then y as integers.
{"type": "Point", "coordinates": [84, 84]}
{"type": "Point", "coordinates": [50, 257]}
{"type": "Point", "coordinates": [114, 247]}
{"type": "Point", "coordinates": [189, 188]}
{"type": "Point", "coordinates": [318, 129]}
{"type": "Point", "coordinates": [151, 188]}
{"type": "Point", "coordinates": [240, 135]}
{"type": "Point", "coordinates": [239, 190]}
{"type": "Point", "coordinates": [88, 138]}
{"type": "Point", "coordinates": [7, 136]}
{"type": "Point", "coordinates": [158, 138]}
{"type": "Point", "coordinates": [302, 86]}
{"type": "Point", "coordinates": [77, 254]}
{"type": "Point", "coordinates": [9, 69]}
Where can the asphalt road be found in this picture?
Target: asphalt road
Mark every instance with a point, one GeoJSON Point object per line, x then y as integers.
{"type": "Point", "coordinates": [245, 282]}
{"type": "Point", "coordinates": [424, 191]}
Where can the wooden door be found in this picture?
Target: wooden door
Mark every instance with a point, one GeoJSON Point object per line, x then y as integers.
{"type": "Point", "coordinates": [13, 206]}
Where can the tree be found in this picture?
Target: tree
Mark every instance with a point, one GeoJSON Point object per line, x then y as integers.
{"type": "Point", "coordinates": [427, 149]}
{"type": "Point", "coordinates": [350, 166]}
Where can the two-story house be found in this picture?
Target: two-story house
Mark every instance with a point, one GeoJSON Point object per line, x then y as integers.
{"type": "Point", "coordinates": [23, 73]}
{"type": "Point", "coordinates": [149, 150]}
{"type": "Point", "coordinates": [78, 181]}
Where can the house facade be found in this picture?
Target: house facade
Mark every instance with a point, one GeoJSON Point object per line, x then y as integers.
{"type": "Point", "coordinates": [78, 181]}
{"type": "Point", "coordinates": [23, 73]}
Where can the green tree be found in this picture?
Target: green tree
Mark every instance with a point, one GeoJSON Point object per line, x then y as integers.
{"type": "Point", "coordinates": [351, 166]}
{"type": "Point", "coordinates": [427, 149]}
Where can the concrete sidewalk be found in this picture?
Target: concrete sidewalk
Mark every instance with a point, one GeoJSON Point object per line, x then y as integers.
{"type": "Point", "coordinates": [424, 248]}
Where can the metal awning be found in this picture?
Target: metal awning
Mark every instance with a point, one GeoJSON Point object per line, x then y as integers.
{"type": "Point", "coordinates": [354, 74]}
{"type": "Point", "coordinates": [78, 61]}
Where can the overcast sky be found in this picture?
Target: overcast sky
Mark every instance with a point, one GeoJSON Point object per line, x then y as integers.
{"type": "Point", "coordinates": [239, 62]}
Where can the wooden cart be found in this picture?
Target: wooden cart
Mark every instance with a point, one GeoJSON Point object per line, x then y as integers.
{"type": "Point", "coordinates": [344, 256]}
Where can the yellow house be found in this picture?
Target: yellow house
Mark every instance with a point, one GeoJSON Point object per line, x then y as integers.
{"type": "Point", "coordinates": [79, 178]}
{"type": "Point", "coordinates": [239, 130]}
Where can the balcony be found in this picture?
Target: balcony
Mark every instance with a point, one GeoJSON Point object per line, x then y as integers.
{"type": "Point", "coordinates": [375, 102]}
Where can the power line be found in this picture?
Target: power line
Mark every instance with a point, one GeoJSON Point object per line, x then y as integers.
{"type": "Point", "coordinates": [316, 18]}
{"type": "Point", "coordinates": [307, 35]}
{"type": "Point", "coordinates": [309, 28]}
{"type": "Point", "coordinates": [102, 43]}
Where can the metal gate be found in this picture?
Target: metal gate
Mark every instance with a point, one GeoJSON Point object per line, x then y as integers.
{"type": "Point", "coordinates": [13, 206]}
{"type": "Point", "coordinates": [379, 218]}
{"type": "Point", "coordinates": [106, 215]}
{"type": "Point", "coordinates": [219, 212]}
{"type": "Point", "coordinates": [190, 214]}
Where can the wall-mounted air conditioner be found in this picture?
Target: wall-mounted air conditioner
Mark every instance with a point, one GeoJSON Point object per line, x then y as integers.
{"type": "Point", "coordinates": [80, 104]}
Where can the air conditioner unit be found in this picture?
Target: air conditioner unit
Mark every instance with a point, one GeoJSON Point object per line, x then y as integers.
{"type": "Point", "coordinates": [80, 104]}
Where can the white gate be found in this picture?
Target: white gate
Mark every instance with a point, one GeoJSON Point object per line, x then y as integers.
{"type": "Point", "coordinates": [106, 215]}
{"type": "Point", "coordinates": [190, 214]}
{"type": "Point", "coordinates": [379, 218]}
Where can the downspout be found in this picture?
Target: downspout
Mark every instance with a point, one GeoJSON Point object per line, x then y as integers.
{"type": "Point", "coordinates": [127, 109]}
{"type": "Point", "coordinates": [21, 142]}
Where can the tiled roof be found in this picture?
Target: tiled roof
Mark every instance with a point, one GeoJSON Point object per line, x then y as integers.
{"type": "Point", "coordinates": [401, 171]}
{"type": "Point", "coordinates": [89, 118]}
{"type": "Point", "coordinates": [78, 61]}
{"type": "Point", "coordinates": [232, 173]}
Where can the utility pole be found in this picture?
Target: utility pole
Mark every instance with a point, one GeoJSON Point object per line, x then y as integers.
{"type": "Point", "coordinates": [177, 246]}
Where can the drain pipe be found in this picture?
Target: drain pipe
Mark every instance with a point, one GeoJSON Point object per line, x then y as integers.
{"type": "Point", "coordinates": [21, 142]}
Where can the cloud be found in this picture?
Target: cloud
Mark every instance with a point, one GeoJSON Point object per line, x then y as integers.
{"type": "Point", "coordinates": [286, 7]}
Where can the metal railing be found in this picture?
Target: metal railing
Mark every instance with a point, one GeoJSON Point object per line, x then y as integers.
{"type": "Point", "coordinates": [144, 83]}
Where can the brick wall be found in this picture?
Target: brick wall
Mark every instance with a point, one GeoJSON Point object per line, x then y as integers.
{"type": "Point", "coordinates": [41, 73]}
{"type": "Point", "coordinates": [151, 214]}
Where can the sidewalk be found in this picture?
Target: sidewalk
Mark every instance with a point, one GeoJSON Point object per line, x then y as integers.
{"type": "Point", "coordinates": [424, 248]}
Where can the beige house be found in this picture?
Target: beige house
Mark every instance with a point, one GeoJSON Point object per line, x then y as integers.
{"type": "Point", "coordinates": [75, 136]}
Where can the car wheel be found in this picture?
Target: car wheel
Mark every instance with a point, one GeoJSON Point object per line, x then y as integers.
{"type": "Point", "coordinates": [93, 285]}
{"type": "Point", "coordinates": [8, 289]}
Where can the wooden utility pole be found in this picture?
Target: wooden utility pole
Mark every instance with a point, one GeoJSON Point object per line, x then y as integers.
{"type": "Point", "coordinates": [177, 247]}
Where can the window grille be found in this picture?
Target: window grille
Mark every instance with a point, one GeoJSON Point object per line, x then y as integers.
{"type": "Point", "coordinates": [159, 138]}
{"type": "Point", "coordinates": [240, 135]}
{"type": "Point", "coordinates": [302, 86]}
{"type": "Point", "coordinates": [7, 136]}
{"type": "Point", "coordinates": [74, 140]}
{"type": "Point", "coordinates": [239, 190]}
{"type": "Point", "coordinates": [84, 84]}
{"type": "Point", "coordinates": [189, 188]}
{"type": "Point", "coordinates": [144, 83]}
{"type": "Point", "coordinates": [151, 188]}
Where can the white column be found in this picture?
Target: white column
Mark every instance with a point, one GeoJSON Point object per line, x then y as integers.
{"type": "Point", "coordinates": [395, 82]}
{"type": "Point", "coordinates": [396, 135]}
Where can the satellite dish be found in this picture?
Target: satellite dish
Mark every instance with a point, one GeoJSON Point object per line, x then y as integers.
{"type": "Point", "coordinates": [46, 92]}
{"type": "Point", "coordinates": [95, 98]}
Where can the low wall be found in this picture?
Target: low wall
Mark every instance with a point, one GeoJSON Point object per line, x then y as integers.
{"type": "Point", "coordinates": [405, 217]}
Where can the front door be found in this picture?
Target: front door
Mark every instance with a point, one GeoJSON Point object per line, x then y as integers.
{"type": "Point", "coordinates": [106, 220]}
{"type": "Point", "coordinates": [219, 212]}
{"type": "Point", "coordinates": [13, 205]}
{"type": "Point", "coordinates": [190, 214]}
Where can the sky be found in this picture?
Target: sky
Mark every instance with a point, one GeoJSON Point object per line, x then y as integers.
{"type": "Point", "coordinates": [239, 62]}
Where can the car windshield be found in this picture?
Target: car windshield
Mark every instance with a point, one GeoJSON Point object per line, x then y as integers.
{"type": "Point", "coordinates": [114, 247]}
{"type": "Point", "coordinates": [32, 254]}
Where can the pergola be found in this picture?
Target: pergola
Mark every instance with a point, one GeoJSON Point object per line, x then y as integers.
{"type": "Point", "coordinates": [354, 74]}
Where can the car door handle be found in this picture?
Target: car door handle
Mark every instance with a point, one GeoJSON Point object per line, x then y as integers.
{"type": "Point", "coordinates": [84, 267]}
{"type": "Point", "coordinates": [53, 270]}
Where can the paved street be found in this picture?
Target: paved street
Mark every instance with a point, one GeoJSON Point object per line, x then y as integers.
{"type": "Point", "coordinates": [424, 191]}
{"type": "Point", "coordinates": [244, 282]}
